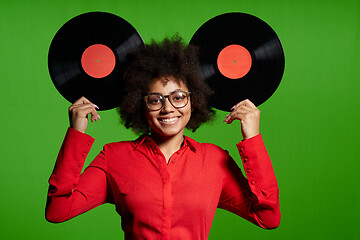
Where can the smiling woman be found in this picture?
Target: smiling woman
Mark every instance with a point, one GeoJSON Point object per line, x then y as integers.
{"type": "Point", "coordinates": [169, 60]}
{"type": "Point", "coordinates": [168, 121]}
{"type": "Point", "coordinates": [165, 185]}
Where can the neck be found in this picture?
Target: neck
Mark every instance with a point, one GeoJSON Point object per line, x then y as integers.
{"type": "Point", "coordinates": [168, 145]}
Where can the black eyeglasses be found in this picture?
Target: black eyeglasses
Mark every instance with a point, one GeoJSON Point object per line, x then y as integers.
{"type": "Point", "coordinates": [156, 101]}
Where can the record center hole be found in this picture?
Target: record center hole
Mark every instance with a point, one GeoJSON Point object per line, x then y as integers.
{"type": "Point", "coordinates": [234, 61]}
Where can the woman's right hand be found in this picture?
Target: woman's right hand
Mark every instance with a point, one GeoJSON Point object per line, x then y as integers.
{"type": "Point", "coordinates": [79, 111]}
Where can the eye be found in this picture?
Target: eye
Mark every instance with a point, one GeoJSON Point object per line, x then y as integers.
{"type": "Point", "coordinates": [178, 96]}
{"type": "Point", "coordinates": [154, 100]}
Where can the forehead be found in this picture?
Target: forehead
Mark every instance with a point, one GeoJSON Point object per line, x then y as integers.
{"type": "Point", "coordinates": [166, 85]}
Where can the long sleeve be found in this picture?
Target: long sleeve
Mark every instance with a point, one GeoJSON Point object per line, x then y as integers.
{"type": "Point", "coordinates": [257, 197]}
{"type": "Point", "coordinates": [71, 193]}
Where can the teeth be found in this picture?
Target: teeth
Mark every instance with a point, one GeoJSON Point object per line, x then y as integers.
{"type": "Point", "coordinates": [168, 119]}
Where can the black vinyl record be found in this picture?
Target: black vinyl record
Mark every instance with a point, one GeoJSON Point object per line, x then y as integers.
{"type": "Point", "coordinates": [87, 57]}
{"type": "Point", "coordinates": [240, 57]}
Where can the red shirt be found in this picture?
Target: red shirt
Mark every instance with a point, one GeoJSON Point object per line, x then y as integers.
{"type": "Point", "coordinates": [157, 200]}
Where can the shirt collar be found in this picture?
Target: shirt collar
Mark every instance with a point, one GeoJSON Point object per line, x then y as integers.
{"type": "Point", "coordinates": [146, 140]}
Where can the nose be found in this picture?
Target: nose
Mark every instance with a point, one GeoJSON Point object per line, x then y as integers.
{"type": "Point", "coordinates": [168, 107]}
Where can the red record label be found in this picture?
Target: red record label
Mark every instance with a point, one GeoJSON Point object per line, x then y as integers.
{"type": "Point", "coordinates": [234, 61]}
{"type": "Point", "coordinates": [98, 61]}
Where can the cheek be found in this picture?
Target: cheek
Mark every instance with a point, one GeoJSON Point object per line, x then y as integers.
{"type": "Point", "coordinates": [188, 112]}
{"type": "Point", "coordinates": [151, 119]}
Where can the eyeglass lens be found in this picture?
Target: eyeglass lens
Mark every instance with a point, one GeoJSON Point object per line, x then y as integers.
{"type": "Point", "coordinates": [178, 99]}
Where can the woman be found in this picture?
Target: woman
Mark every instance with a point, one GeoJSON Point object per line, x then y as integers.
{"type": "Point", "coordinates": [164, 185]}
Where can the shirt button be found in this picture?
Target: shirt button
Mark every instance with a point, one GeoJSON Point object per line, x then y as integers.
{"type": "Point", "coordinates": [253, 182]}
{"type": "Point", "coordinates": [245, 160]}
{"type": "Point", "coordinates": [242, 149]}
{"type": "Point", "coordinates": [80, 164]}
{"type": "Point", "coordinates": [89, 144]}
{"type": "Point", "coordinates": [84, 154]}
{"type": "Point", "coordinates": [173, 161]}
{"type": "Point", "coordinates": [76, 175]}
{"type": "Point", "coordinates": [248, 171]}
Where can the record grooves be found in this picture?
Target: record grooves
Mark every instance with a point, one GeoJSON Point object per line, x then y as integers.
{"type": "Point", "coordinates": [87, 57]}
{"type": "Point", "coordinates": [240, 57]}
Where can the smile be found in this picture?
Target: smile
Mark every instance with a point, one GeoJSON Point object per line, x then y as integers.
{"type": "Point", "coordinates": [168, 120]}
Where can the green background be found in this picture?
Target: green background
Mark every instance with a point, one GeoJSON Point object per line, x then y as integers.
{"type": "Point", "coordinates": [310, 125]}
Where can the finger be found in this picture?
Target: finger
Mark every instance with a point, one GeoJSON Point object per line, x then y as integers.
{"type": "Point", "coordinates": [84, 110]}
{"type": "Point", "coordinates": [81, 100]}
{"type": "Point", "coordinates": [238, 104]}
{"type": "Point", "coordinates": [244, 108]}
{"type": "Point", "coordinates": [84, 100]}
{"type": "Point", "coordinates": [239, 116]}
{"type": "Point", "coordinates": [249, 111]}
{"type": "Point", "coordinates": [240, 109]}
{"type": "Point", "coordinates": [245, 102]}
{"type": "Point", "coordinates": [95, 117]}
{"type": "Point", "coordinates": [90, 111]}
{"type": "Point", "coordinates": [235, 115]}
{"type": "Point", "coordinates": [244, 114]}
{"type": "Point", "coordinates": [81, 106]}
{"type": "Point", "coordinates": [249, 103]}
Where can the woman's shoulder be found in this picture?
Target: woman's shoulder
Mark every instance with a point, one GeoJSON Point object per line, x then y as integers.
{"type": "Point", "coordinates": [205, 146]}
{"type": "Point", "coordinates": [122, 145]}
{"type": "Point", "coordinates": [209, 154]}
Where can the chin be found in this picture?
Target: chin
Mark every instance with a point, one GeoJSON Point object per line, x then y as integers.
{"type": "Point", "coordinates": [167, 132]}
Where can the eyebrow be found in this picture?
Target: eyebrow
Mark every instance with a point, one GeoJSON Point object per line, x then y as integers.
{"type": "Point", "coordinates": [176, 90]}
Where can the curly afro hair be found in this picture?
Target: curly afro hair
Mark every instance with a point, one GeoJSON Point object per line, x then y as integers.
{"type": "Point", "coordinates": [171, 57]}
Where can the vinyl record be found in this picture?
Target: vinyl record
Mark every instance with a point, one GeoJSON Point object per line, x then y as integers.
{"type": "Point", "coordinates": [240, 57]}
{"type": "Point", "coordinates": [87, 57]}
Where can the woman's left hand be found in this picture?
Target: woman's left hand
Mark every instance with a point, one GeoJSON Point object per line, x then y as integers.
{"type": "Point", "coordinates": [249, 116]}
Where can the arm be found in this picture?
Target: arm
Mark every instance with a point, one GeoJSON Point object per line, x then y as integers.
{"type": "Point", "coordinates": [257, 197]}
{"type": "Point", "coordinates": [70, 193]}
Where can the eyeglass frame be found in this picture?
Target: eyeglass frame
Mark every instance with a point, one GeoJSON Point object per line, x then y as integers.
{"type": "Point", "coordinates": [163, 97]}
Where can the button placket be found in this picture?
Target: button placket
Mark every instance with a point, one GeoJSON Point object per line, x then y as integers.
{"type": "Point", "coordinates": [175, 156]}
{"type": "Point", "coordinates": [167, 201]}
